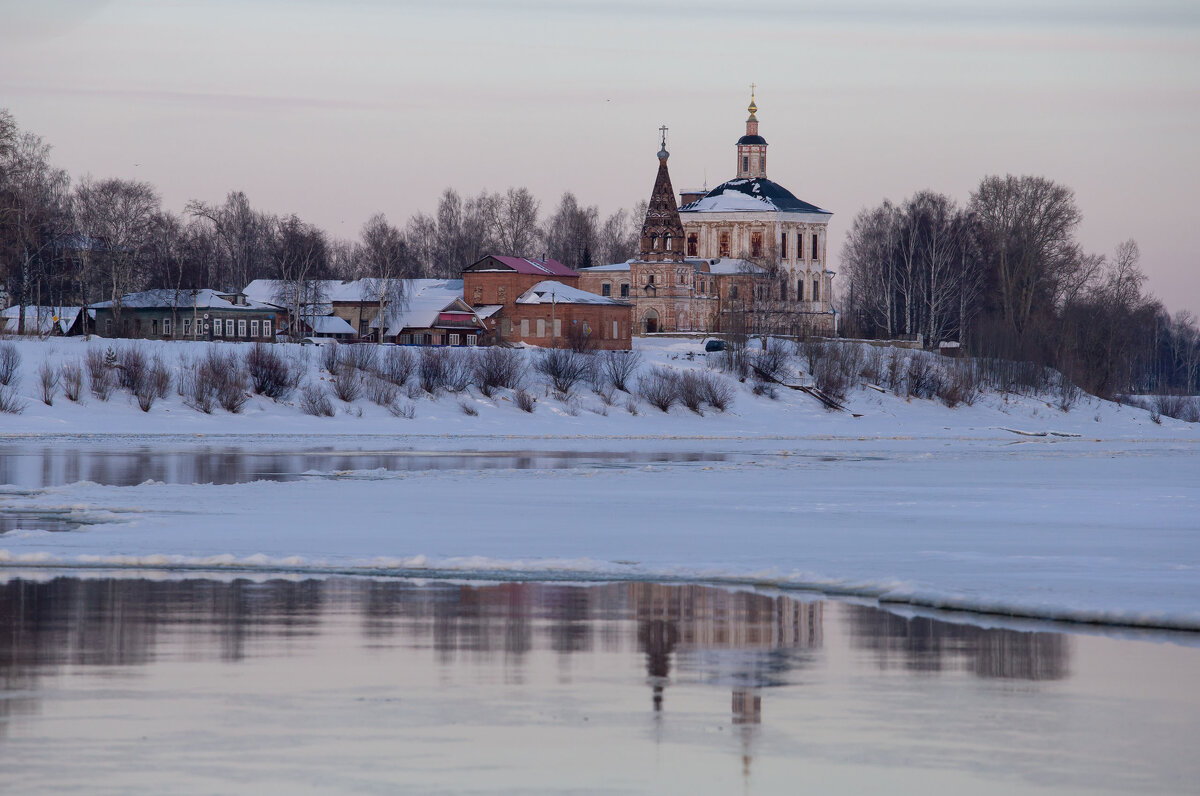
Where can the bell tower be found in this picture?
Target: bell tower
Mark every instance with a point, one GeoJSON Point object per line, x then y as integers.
{"type": "Point", "coordinates": [662, 231]}
{"type": "Point", "coordinates": [752, 147]}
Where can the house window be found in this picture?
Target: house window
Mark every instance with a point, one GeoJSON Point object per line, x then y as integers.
{"type": "Point", "coordinates": [524, 327]}
{"type": "Point", "coordinates": [456, 339]}
{"type": "Point", "coordinates": [254, 328]}
{"type": "Point", "coordinates": [108, 327]}
{"type": "Point", "coordinates": [229, 327]}
{"type": "Point", "coordinates": [241, 328]}
{"type": "Point", "coordinates": [166, 327]}
{"type": "Point", "coordinates": [217, 327]}
{"type": "Point", "coordinates": [756, 245]}
{"type": "Point", "coordinates": [187, 327]}
{"type": "Point", "coordinates": [783, 246]}
{"type": "Point", "coordinates": [541, 327]}
{"type": "Point", "coordinates": [624, 290]}
{"type": "Point", "coordinates": [815, 246]}
{"type": "Point", "coordinates": [616, 330]}
{"type": "Point", "coordinates": [724, 245]}
{"type": "Point", "coordinates": [693, 244]}
{"type": "Point", "coordinates": [266, 328]}
{"type": "Point", "coordinates": [733, 291]}
{"type": "Point", "coordinates": [472, 339]}
{"type": "Point", "coordinates": [427, 339]}
{"type": "Point", "coordinates": [606, 289]}
{"type": "Point", "coordinates": [558, 327]}
{"type": "Point", "coordinates": [154, 327]}
{"type": "Point", "coordinates": [816, 294]}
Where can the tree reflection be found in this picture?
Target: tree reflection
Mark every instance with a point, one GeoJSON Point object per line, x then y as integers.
{"type": "Point", "coordinates": [922, 644]}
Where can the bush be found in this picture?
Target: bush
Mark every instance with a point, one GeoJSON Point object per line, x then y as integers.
{"type": "Point", "coordinates": [564, 368]}
{"type": "Point", "coordinates": [619, 367]}
{"type": "Point", "coordinates": [10, 363]}
{"type": "Point", "coordinates": [433, 369]}
{"type": "Point", "coordinates": [460, 368]}
{"type": "Point", "coordinates": [315, 401]}
{"type": "Point", "coordinates": [10, 402]}
{"type": "Point", "coordinates": [146, 395]}
{"type": "Point", "coordinates": [921, 378]}
{"type": "Point", "coordinates": [48, 379]}
{"type": "Point", "coordinates": [158, 378]}
{"type": "Point", "coordinates": [691, 394]}
{"type": "Point", "coordinates": [347, 383]}
{"type": "Point", "coordinates": [524, 401]}
{"type": "Point", "coordinates": [407, 411]}
{"type": "Point", "coordinates": [382, 393]}
{"type": "Point", "coordinates": [1180, 407]}
{"type": "Point", "coordinates": [765, 389]}
{"type": "Point", "coordinates": [579, 341]}
{"type": "Point", "coordinates": [716, 391]}
{"type": "Point", "coordinates": [961, 384]}
{"type": "Point", "coordinates": [218, 375]}
{"type": "Point", "coordinates": [72, 380]}
{"type": "Point", "coordinates": [735, 361]}
{"type": "Point", "coordinates": [1068, 394]}
{"type": "Point", "coordinates": [361, 356]}
{"type": "Point", "coordinates": [773, 362]}
{"type": "Point", "coordinates": [497, 367]}
{"type": "Point", "coordinates": [269, 372]}
{"type": "Point", "coordinates": [331, 357]}
{"type": "Point", "coordinates": [100, 372]}
{"type": "Point", "coordinates": [395, 365]}
{"type": "Point", "coordinates": [131, 368]}
{"type": "Point", "coordinates": [467, 408]}
{"type": "Point", "coordinates": [660, 388]}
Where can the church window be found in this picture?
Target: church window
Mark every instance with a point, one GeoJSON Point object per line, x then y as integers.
{"type": "Point", "coordinates": [668, 245]}
{"type": "Point", "coordinates": [654, 242]}
{"type": "Point", "coordinates": [756, 245]}
{"type": "Point", "coordinates": [816, 296]}
{"type": "Point", "coordinates": [693, 244]}
{"type": "Point", "coordinates": [783, 289]}
{"type": "Point", "coordinates": [815, 247]}
{"type": "Point", "coordinates": [783, 246]}
{"type": "Point", "coordinates": [745, 163]}
{"type": "Point", "coordinates": [650, 279]}
{"type": "Point", "coordinates": [724, 249]}
{"type": "Point", "coordinates": [733, 292]}
{"type": "Point", "coordinates": [762, 162]}
{"type": "Point", "coordinates": [606, 289]}
{"type": "Point", "coordinates": [624, 290]}
{"type": "Point", "coordinates": [799, 290]}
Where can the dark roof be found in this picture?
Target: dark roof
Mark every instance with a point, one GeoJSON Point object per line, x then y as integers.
{"type": "Point", "coordinates": [524, 265]}
{"type": "Point", "coordinates": [771, 194]}
{"type": "Point", "coordinates": [752, 139]}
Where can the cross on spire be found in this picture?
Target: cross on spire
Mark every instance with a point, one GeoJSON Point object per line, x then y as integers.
{"type": "Point", "coordinates": [663, 130]}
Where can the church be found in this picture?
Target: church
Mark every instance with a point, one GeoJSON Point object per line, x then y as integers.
{"type": "Point", "coordinates": [747, 255]}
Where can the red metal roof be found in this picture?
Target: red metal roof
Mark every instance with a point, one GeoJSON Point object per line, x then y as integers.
{"type": "Point", "coordinates": [532, 265]}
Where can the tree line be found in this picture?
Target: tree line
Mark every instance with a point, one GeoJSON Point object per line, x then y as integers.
{"type": "Point", "coordinates": [67, 241]}
{"type": "Point", "coordinates": [1005, 277]}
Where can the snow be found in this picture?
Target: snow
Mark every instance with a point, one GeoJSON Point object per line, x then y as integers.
{"type": "Point", "coordinates": [732, 201]}
{"type": "Point", "coordinates": [41, 319]}
{"type": "Point", "coordinates": [425, 299]}
{"type": "Point", "coordinates": [204, 299]}
{"type": "Point", "coordinates": [552, 292]}
{"type": "Point", "coordinates": [329, 324]}
{"type": "Point", "coordinates": [911, 502]}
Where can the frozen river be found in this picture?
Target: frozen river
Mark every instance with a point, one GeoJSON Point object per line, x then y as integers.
{"type": "Point", "coordinates": [127, 684]}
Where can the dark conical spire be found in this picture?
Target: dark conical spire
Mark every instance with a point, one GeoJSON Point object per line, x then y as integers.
{"type": "Point", "coordinates": [662, 231]}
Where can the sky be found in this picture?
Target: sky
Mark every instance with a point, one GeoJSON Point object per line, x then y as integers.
{"type": "Point", "coordinates": [338, 110]}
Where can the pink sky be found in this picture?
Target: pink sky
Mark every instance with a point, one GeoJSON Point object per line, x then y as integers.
{"type": "Point", "coordinates": [339, 110]}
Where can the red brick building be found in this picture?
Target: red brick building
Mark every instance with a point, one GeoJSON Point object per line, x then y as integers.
{"type": "Point", "coordinates": [534, 301]}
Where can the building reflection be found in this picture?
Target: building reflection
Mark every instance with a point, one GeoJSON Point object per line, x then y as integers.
{"type": "Point", "coordinates": [923, 644]}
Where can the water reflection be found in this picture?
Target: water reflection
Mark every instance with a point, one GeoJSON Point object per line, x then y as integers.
{"type": "Point", "coordinates": [34, 467]}
{"type": "Point", "coordinates": [921, 644]}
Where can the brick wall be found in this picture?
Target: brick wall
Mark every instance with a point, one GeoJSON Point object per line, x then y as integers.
{"type": "Point", "coordinates": [503, 287]}
{"type": "Point", "coordinates": [600, 319]}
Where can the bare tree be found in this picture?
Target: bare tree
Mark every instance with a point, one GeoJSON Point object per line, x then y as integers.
{"type": "Point", "coordinates": [300, 254]}
{"type": "Point", "coordinates": [571, 233]}
{"type": "Point", "coordinates": [121, 213]}
{"type": "Point", "coordinates": [382, 262]}
{"type": "Point", "coordinates": [512, 222]}
{"type": "Point", "coordinates": [245, 237]}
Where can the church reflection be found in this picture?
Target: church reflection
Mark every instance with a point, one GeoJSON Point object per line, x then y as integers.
{"type": "Point", "coordinates": [741, 643]}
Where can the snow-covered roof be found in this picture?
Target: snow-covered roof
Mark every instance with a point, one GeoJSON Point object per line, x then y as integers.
{"type": "Point", "coordinates": [329, 324]}
{"type": "Point", "coordinates": [425, 300]}
{"type": "Point", "coordinates": [612, 267]}
{"type": "Point", "coordinates": [326, 291]}
{"type": "Point", "coordinates": [167, 298]}
{"type": "Point", "coordinates": [522, 265]}
{"type": "Point", "coordinates": [39, 319]}
{"type": "Point", "coordinates": [757, 194]}
{"type": "Point", "coordinates": [488, 310]}
{"type": "Point", "coordinates": [732, 265]}
{"type": "Point", "coordinates": [551, 292]}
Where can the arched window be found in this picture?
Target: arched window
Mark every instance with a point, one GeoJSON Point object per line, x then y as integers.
{"type": "Point", "coordinates": [816, 243]}
{"type": "Point", "coordinates": [783, 288]}
{"type": "Point", "coordinates": [799, 290]}
{"type": "Point", "coordinates": [668, 245]}
{"type": "Point", "coordinates": [733, 292]}
{"type": "Point", "coordinates": [816, 294]}
{"type": "Point", "coordinates": [724, 249]}
{"type": "Point", "coordinates": [693, 244]}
